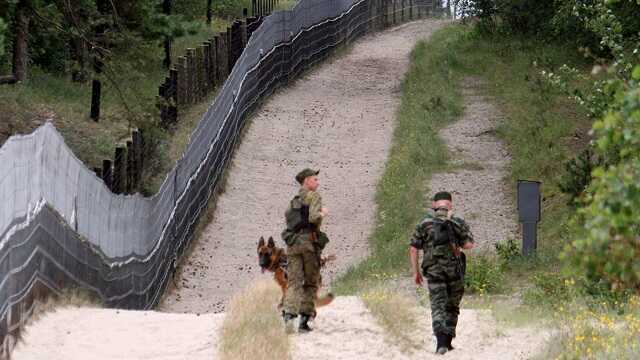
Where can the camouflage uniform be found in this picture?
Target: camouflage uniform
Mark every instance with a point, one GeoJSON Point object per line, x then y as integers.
{"type": "Point", "coordinates": [303, 267]}
{"type": "Point", "coordinates": [440, 268]}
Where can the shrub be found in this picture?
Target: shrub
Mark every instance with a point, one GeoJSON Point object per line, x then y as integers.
{"type": "Point", "coordinates": [577, 177]}
{"type": "Point", "coordinates": [609, 248]}
{"type": "Point", "coordinates": [484, 275]}
{"type": "Point", "coordinates": [507, 251]}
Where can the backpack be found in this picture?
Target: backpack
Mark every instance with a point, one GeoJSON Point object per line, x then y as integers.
{"type": "Point", "coordinates": [441, 232]}
{"type": "Point", "coordinates": [297, 215]}
{"type": "Point", "coordinates": [297, 218]}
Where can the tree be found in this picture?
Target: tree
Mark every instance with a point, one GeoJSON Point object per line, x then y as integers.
{"type": "Point", "coordinates": [3, 30]}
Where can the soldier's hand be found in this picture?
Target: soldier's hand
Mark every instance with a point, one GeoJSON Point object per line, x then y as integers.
{"type": "Point", "coordinates": [418, 279]}
{"type": "Point", "coordinates": [324, 211]}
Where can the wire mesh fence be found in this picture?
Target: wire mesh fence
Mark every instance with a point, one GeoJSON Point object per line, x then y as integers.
{"type": "Point", "coordinates": [60, 226]}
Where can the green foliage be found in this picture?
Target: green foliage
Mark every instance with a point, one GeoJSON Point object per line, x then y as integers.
{"type": "Point", "coordinates": [507, 251]}
{"type": "Point", "coordinates": [578, 174]}
{"type": "Point", "coordinates": [609, 248]}
{"type": "Point", "coordinates": [484, 274]}
{"type": "Point", "coordinates": [550, 288]}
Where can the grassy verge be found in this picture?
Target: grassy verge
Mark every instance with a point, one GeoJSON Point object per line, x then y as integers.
{"type": "Point", "coordinates": [429, 102]}
{"type": "Point", "coordinates": [252, 329]}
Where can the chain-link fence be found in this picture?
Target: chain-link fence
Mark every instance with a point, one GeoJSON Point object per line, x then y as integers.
{"type": "Point", "coordinates": [61, 226]}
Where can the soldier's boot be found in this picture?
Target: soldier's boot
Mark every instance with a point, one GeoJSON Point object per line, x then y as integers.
{"type": "Point", "coordinates": [304, 326]}
{"type": "Point", "coordinates": [441, 346]}
{"type": "Point", "coordinates": [449, 339]}
{"type": "Point", "coordinates": [288, 322]}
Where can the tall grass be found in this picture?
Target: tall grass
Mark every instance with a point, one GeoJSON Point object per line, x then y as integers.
{"type": "Point", "coordinates": [252, 328]}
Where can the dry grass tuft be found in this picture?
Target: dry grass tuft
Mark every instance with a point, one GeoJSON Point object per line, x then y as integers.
{"type": "Point", "coordinates": [71, 297]}
{"type": "Point", "coordinates": [397, 314]}
{"type": "Point", "coordinates": [252, 327]}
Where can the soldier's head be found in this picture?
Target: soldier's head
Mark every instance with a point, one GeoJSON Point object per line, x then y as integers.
{"type": "Point", "coordinates": [308, 179]}
{"type": "Point", "coordinates": [442, 199]}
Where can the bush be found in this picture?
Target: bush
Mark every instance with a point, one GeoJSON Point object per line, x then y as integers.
{"type": "Point", "coordinates": [577, 177]}
{"type": "Point", "coordinates": [609, 248]}
{"type": "Point", "coordinates": [484, 275]}
{"type": "Point", "coordinates": [507, 251]}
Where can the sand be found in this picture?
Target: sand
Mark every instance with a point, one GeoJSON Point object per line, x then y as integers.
{"type": "Point", "coordinates": [88, 333]}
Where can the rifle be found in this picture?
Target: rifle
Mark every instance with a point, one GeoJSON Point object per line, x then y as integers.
{"type": "Point", "coordinates": [461, 259]}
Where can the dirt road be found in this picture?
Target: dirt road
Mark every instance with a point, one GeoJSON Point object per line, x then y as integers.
{"type": "Point", "coordinates": [338, 118]}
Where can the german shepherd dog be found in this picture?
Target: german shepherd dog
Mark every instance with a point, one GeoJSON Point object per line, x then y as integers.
{"type": "Point", "coordinates": [272, 258]}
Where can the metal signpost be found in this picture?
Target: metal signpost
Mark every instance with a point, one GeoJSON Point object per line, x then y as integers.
{"type": "Point", "coordinates": [529, 214]}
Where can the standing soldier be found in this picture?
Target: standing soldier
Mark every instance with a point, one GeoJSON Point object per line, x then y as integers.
{"type": "Point", "coordinates": [441, 236]}
{"type": "Point", "coordinates": [304, 243]}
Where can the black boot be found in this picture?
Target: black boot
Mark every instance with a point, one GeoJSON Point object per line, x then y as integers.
{"type": "Point", "coordinates": [304, 327]}
{"type": "Point", "coordinates": [288, 321]}
{"type": "Point", "coordinates": [449, 339]}
{"type": "Point", "coordinates": [441, 347]}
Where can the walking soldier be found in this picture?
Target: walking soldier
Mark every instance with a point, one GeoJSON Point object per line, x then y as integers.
{"type": "Point", "coordinates": [304, 242]}
{"type": "Point", "coordinates": [441, 236]}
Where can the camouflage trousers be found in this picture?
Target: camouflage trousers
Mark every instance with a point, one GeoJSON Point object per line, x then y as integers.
{"type": "Point", "coordinates": [446, 295]}
{"type": "Point", "coordinates": [303, 271]}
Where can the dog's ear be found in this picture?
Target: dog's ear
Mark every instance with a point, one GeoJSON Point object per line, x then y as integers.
{"type": "Point", "coordinates": [261, 242]}
{"type": "Point", "coordinates": [271, 242]}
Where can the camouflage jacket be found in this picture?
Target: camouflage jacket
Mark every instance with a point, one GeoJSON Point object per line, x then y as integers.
{"type": "Point", "coordinates": [420, 237]}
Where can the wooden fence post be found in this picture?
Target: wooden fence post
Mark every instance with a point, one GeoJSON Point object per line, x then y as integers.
{"type": "Point", "coordinates": [137, 155]}
{"type": "Point", "coordinates": [181, 70]}
{"type": "Point", "coordinates": [107, 174]}
{"type": "Point", "coordinates": [130, 168]}
{"type": "Point", "coordinates": [119, 170]}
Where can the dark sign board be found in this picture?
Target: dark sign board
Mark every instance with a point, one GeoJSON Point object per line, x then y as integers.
{"type": "Point", "coordinates": [528, 201]}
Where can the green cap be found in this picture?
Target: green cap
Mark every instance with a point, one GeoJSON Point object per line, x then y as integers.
{"type": "Point", "coordinates": [442, 195]}
{"type": "Point", "coordinates": [305, 174]}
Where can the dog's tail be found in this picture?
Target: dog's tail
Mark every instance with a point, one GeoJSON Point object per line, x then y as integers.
{"type": "Point", "coordinates": [324, 300]}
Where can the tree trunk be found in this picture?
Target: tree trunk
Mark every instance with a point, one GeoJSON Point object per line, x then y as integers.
{"type": "Point", "coordinates": [166, 9]}
{"type": "Point", "coordinates": [209, 12]}
{"type": "Point", "coordinates": [21, 44]}
{"type": "Point", "coordinates": [76, 18]}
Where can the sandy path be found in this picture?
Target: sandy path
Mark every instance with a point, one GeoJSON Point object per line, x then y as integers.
{"type": "Point", "coordinates": [343, 330]}
{"type": "Point", "coordinates": [478, 188]}
{"type": "Point", "coordinates": [97, 334]}
{"type": "Point", "coordinates": [338, 118]}
{"type": "Point", "coordinates": [346, 330]}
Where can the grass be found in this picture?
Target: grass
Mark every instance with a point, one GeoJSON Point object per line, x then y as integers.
{"type": "Point", "coordinates": [252, 328]}
{"type": "Point", "coordinates": [397, 314]}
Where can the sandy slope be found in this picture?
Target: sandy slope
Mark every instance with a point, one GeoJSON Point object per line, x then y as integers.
{"type": "Point", "coordinates": [338, 118]}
